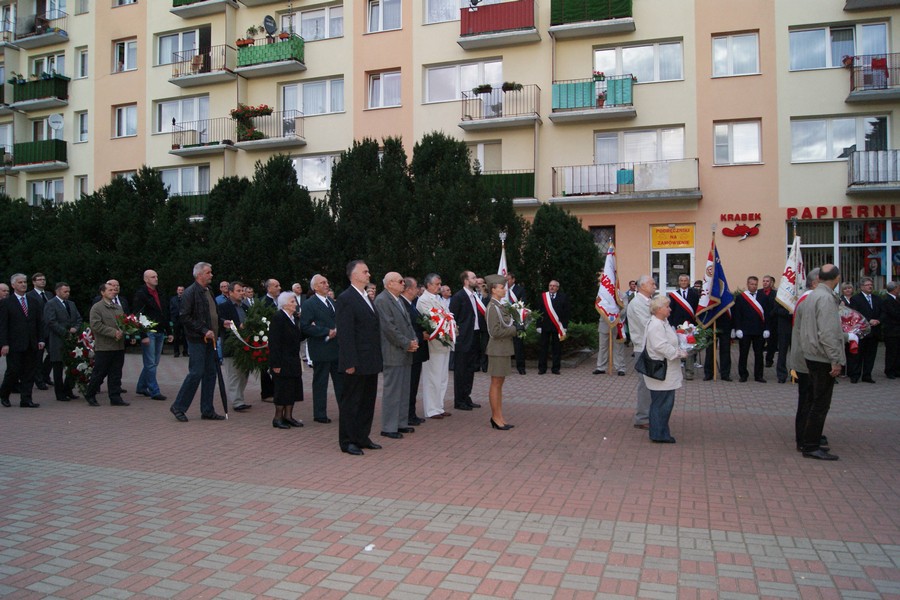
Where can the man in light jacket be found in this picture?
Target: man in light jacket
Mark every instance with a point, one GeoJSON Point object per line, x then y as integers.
{"type": "Point", "coordinates": [638, 313]}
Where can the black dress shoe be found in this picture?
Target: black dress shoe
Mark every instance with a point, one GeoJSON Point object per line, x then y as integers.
{"type": "Point", "coordinates": [72, 396]}
{"type": "Point", "coordinates": [392, 434]}
{"type": "Point", "coordinates": [42, 386]}
{"type": "Point", "coordinates": [28, 404]}
{"type": "Point", "coordinates": [352, 449]}
{"type": "Point", "coordinates": [759, 380]}
{"type": "Point", "coordinates": [143, 393]}
{"type": "Point", "coordinates": [325, 420]}
{"type": "Point", "coordinates": [243, 407]}
{"type": "Point", "coordinates": [820, 454]}
{"type": "Point", "coordinates": [521, 371]}
{"type": "Point", "coordinates": [598, 372]}
{"type": "Point", "coordinates": [406, 430]}
{"type": "Point", "coordinates": [821, 447]}
{"type": "Point", "coordinates": [555, 372]}
{"type": "Point", "coordinates": [62, 399]}
{"type": "Point", "coordinates": [707, 378]}
{"type": "Point", "coordinates": [782, 379]}
{"type": "Point", "coordinates": [119, 403]}
{"type": "Point", "coordinates": [212, 417]}
{"type": "Point", "coordinates": [621, 373]}
{"type": "Point", "coordinates": [868, 380]}
{"type": "Point", "coordinates": [854, 380]}
{"type": "Point", "coordinates": [5, 402]}
{"type": "Point", "coordinates": [473, 405]}
{"type": "Point", "coordinates": [280, 424]}
{"type": "Point", "coordinates": [669, 440]}
{"type": "Point", "coordinates": [743, 380]}
{"type": "Point", "coordinates": [372, 446]}
{"type": "Point", "coordinates": [415, 421]}
{"type": "Point", "coordinates": [179, 416]}
{"type": "Point", "coordinates": [726, 378]}
{"type": "Point", "coordinates": [462, 407]}
{"type": "Point", "coordinates": [769, 363]}
{"type": "Point", "coordinates": [158, 397]}
{"type": "Point", "coordinates": [293, 422]}
{"type": "Point", "coordinates": [92, 401]}
{"type": "Point", "coordinates": [541, 372]}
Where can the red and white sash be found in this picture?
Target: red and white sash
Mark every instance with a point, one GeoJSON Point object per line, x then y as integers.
{"type": "Point", "coordinates": [482, 309]}
{"type": "Point", "coordinates": [512, 295]}
{"type": "Point", "coordinates": [682, 302]}
{"type": "Point", "coordinates": [796, 306]}
{"type": "Point", "coordinates": [753, 302]}
{"type": "Point", "coordinates": [554, 318]}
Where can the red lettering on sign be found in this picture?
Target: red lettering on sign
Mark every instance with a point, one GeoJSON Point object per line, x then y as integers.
{"type": "Point", "coordinates": [791, 213]}
{"type": "Point", "coordinates": [821, 211]}
{"type": "Point", "coordinates": [878, 211]}
{"type": "Point", "coordinates": [807, 214]}
{"type": "Point", "coordinates": [862, 212]}
{"type": "Point", "coordinates": [846, 212]}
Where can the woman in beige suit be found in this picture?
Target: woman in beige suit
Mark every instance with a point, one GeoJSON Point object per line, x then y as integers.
{"type": "Point", "coordinates": [502, 329]}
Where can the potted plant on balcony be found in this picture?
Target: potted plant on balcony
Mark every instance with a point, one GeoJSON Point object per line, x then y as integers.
{"type": "Point", "coordinates": [284, 35]}
{"type": "Point", "coordinates": [252, 32]}
{"type": "Point", "coordinates": [511, 86]}
{"type": "Point", "coordinates": [244, 114]}
{"type": "Point", "coordinates": [601, 99]}
{"type": "Point", "coordinates": [484, 88]}
{"type": "Point", "coordinates": [847, 61]}
{"type": "Point", "coordinates": [599, 76]}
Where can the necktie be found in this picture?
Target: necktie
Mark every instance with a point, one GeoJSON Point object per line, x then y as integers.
{"type": "Point", "coordinates": [68, 308]}
{"type": "Point", "coordinates": [330, 305]}
{"type": "Point", "coordinates": [869, 300]}
{"type": "Point", "coordinates": [24, 305]}
{"type": "Point", "coordinates": [116, 300]}
{"type": "Point", "coordinates": [553, 296]}
{"type": "Point", "coordinates": [44, 296]}
{"type": "Point", "coordinates": [684, 294]}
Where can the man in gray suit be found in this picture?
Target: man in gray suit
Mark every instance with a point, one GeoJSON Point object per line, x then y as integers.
{"type": "Point", "coordinates": [398, 344]}
{"type": "Point", "coordinates": [62, 319]}
{"type": "Point", "coordinates": [317, 320]}
{"type": "Point", "coordinates": [638, 312]}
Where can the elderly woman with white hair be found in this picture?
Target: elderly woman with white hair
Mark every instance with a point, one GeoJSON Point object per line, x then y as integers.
{"type": "Point", "coordinates": [284, 361]}
{"type": "Point", "coordinates": [661, 343]}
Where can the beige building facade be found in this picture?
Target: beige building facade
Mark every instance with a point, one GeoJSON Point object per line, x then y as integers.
{"type": "Point", "coordinates": [654, 121]}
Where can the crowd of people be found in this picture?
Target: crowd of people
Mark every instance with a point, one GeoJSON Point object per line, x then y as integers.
{"type": "Point", "coordinates": [353, 338]}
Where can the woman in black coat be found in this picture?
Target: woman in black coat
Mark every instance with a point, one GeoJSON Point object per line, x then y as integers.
{"type": "Point", "coordinates": [284, 361]}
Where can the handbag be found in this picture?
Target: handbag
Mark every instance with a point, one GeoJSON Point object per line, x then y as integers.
{"type": "Point", "coordinates": [652, 368]}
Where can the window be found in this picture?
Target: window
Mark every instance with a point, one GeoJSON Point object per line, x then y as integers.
{"type": "Point", "coordinates": [448, 82]}
{"type": "Point", "coordinates": [314, 172]}
{"type": "Point", "coordinates": [384, 15]}
{"type": "Point", "coordinates": [8, 18]}
{"type": "Point", "coordinates": [653, 62]}
{"type": "Point", "coordinates": [384, 90]}
{"type": "Point", "coordinates": [56, 9]}
{"type": "Point", "coordinates": [125, 58]}
{"type": "Point", "coordinates": [487, 154]}
{"type": "Point", "coordinates": [81, 7]}
{"type": "Point", "coordinates": [82, 64]}
{"type": "Point", "coordinates": [314, 97]}
{"type": "Point", "coordinates": [827, 46]}
{"type": "Point", "coordinates": [186, 181]}
{"type": "Point", "coordinates": [316, 24]}
{"type": "Point", "coordinates": [81, 186]}
{"type": "Point", "coordinates": [6, 137]}
{"type": "Point", "coordinates": [815, 140]}
{"type": "Point", "coordinates": [438, 11]}
{"type": "Point", "coordinates": [124, 2]}
{"type": "Point", "coordinates": [41, 130]}
{"type": "Point", "coordinates": [42, 190]}
{"type": "Point", "coordinates": [737, 143]}
{"type": "Point", "coordinates": [55, 63]}
{"type": "Point", "coordinates": [171, 44]}
{"type": "Point", "coordinates": [181, 111]}
{"type": "Point", "coordinates": [81, 126]}
{"type": "Point", "coordinates": [735, 55]}
{"type": "Point", "coordinates": [639, 146]}
{"type": "Point", "coordinates": [126, 121]}
{"type": "Point", "coordinates": [126, 175]}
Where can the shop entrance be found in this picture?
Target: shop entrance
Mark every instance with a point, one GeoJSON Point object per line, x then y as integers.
{"type": "Point", "coordinates": [669, 264]}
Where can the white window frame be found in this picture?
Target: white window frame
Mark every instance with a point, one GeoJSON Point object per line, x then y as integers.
{"type": "Point", "coordinates": [376, 96]}
{"type": "Point", "coordinates": [293, 22]}
{"type": "Point", "coordinates": [50, 63]}
{"type": "Point", "coordinates": [122, 115]}
{"type": "Point", "coordinates": [82, 63]}
{"type": "Point", "coordinates": [729, 54]}
{"type": "Point", "coordinates": [41, 130]}
{"type": "Point", "coordinates": [180, 46]}
{"type": "Point", "coordinates": [52, 189]}
{"type": "Point", "coordinates": [6, 137]}
{"type": "Point", "coordinates": [126, 175]}
{"type": "Point", "coordinates": [860, 122]}
{"type": "Point", "coordinates": [728, 128]}
{"type": "Point", "coordinates": [199, 173]}
{"type": "Point", "coordinates": [331, 98]}
{"type": "Point", "coordinates": [619, 68]}
{"type": "Point", "coordinates": [482, 78]}
{"type": "Point", "coordinates": [123, 3]}
{"type": "Point", "coordinates": [440, 12]}
{"type": "Point", "coordinates": [81, 186]}
{"type": "Point", "coordinates": [176, 106]}
{"type": "Point", "coordinates": [830, 61]}
{"type": "Point", "coordinates": [82, 125]}
{"type": "Point", "coordinates": [373, 5]}
{"type": "Point", "coordinates": [304, 178]}
{"type": "Point", "coordinates": [620, 137]}
{"type": "Point", "coordinates": [125, 49]}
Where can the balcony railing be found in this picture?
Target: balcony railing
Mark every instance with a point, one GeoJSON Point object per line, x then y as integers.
{"type": "Point", "coordinates": [285, 125]}
{"type": "Point", "coordinates": [203, 133]}
{"type": "Point", "coordinates": [582, 94]}
{"type": "Point", "coordinates": [179, 3]}
{"type": "Point", "coordinates": [264, 52]}
{"type": "Point", "coordinates": [197, 203]}
{"type": "Point", "coordinates": [497, 18]}
{"type": "Point", "coordinates": [576, 11]}
{"type": "Point", "coordinates": [45, 151]}
{"type": "Point", "coordinates": [54, 24]}
{"type": "Point", "coordinates": [509, 184]}
{"type": "Point", "coordinates": [874, 170]}
{"type": "Point", "coordinates": [215, 59]}
{"type": "Point", "coordinates": [7, 31]}
{"type": "Point", "coordinates": [875, 72]}
{"type": "Point", "coordinates": [55, 86]}
{"type": "Point", "coordinates": [496, 103]}
{"type": "Point", "coordinates": [651, 179]}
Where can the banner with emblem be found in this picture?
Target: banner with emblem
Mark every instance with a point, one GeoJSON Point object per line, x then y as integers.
{"type": "Point", "coordinates": [608, 303]}
{"type": "Point", "coordinates": [715, 297]}
{"type": "Point", "coordinates": [793, 279]}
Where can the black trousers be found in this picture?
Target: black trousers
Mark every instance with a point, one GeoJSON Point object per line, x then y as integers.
{"type": "Point", "coordinates": [804, 405]}
{"type": "Point", "coordinates": [20, 373]}
{"type": "Point", "coordinates": [862, 363]}
{"type": "Point", "coordinates": [744, 344]}
{"type": "Point", "coordinates": [467, 361]}
{"type": "Point", "coordinates": [785, 330]}
{"type": "Point", "coordinates": [414, 378]}
{"type": "Point", "coordinates": [772, 344]}
{"type": "Point", "coordinates": [892, 356]}
{"type": "Point", "coordinates": [357, 409]}
{"type": "Point", "coordinates": [322, 369]}
{"type": "Point", "coordinates": [821, 386]}
{"type": "Point", "coordinates": [107, 364]}
{"type": "Point", "coordinates": [180, 341]}
{"type": "Point", "coordinates": [520, 352]}
{"type": "Point", "coordinates": [266, 387]}
{"type": "Point", "coordinates": [62, 384]}
{"type": "Point", "coordinates": [549, 341]}
{"type": "Point", "coordinates": [723, 340]}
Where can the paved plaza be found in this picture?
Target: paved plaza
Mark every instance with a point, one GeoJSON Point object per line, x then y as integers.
{"type": "Point", "coordinates": [125, 502]}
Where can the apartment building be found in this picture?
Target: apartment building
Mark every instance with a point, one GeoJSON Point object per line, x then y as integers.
{"type": "Point", "coordinates": [654, 121]}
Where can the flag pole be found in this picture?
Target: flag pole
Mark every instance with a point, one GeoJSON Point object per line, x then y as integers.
{"type": "Point", "coordinates": [715, 340]}
{"type": "Point", "coordinates": [609, 331]}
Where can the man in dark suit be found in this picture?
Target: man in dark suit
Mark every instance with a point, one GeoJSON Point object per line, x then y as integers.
{"type": "Point", "coordinates": [771, 345]}
{"type": "Point", "coordinates": [683, 302]}
{"type": "Point", "coordinates": [751, 318]}
{"type": "Point", "coordinates": [516, 293]}
{"type": "Point", "coordinates": [39, 292]}
{"type": "Point", "coordinates": [21, 331]}
{"type": "Point", "coordinates": [723, 341]}
{"type": "Point", "coordinates": [317, 320]}
{"type": "Point", "coordinates": [62, 319]}
{"type": "Point", "coordinates": [890, 329]}
{"type": "Point", "coordinates": [177, 325]}
{"type": "Point", "coordinates": [232, 312]}
{"type": "Point", "coordinates": [860, 365]}
{"type": "Point", "coordinates": [410, 299]}
{"type": "Point", "coordinates": [464, 306]}
{"type": "Point", "coordinates": [553, 326]}
{"type": "Point", "coordinates": [359, 358]}
{"type": "Point", "coordinates": [266, 385]}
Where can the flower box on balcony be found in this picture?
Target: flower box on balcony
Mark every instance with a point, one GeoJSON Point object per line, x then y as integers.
{"type": "Point", "coordinates": [283, 50]}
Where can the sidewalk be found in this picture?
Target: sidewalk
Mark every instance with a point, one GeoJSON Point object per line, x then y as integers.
{"type": "Point", "coordinates": [119, 502]}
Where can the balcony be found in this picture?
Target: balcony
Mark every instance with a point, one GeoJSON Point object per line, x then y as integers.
{"type": "Point", "coordinates": [494, 25]}
{"type": "Point", "coordinates": [875, 78]}
{"type": "Point", "coordinates": [852, 5]}
{"type": "Point", "coordinates": [590, 18]}
{"type": "Point", "coordinates": [264, 59]}
{"type": "Point", "coordinates": [197, 204]}
{"type": "Point", "coordinates": [666, 180]}
{"type": "Point", "coordinates": [498, 109]}
{"type": "Point", "coordinates": [187, 9]}
{"type": "Point", "coordinates": [7, 35]}
{"type": "Point", "coordinates": [595, 99]}
{"type": "Point", "coordinates": [282, 129]}
{"type": "Point", "coordinates": [5, 109]}
{"type": "Point", "coordinates": [34, 157]}
{"type": "Point", "coordinates": [45, 29]}
{"type": "Point", "coordinates": [873, 172]}
{"type": "Point", "coordinates": [509, 184]}
{"type": "Point", "coordinates": [203, 138]}
{"type": "Point", "coordinates": [204, 67]}
{"type": "Point", "coordinates": [260, 2]}
{"type": "Point", "coordinates": [51, 91]}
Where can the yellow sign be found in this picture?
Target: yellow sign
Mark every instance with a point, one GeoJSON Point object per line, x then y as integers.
{"type": "Point", "coordinates": [663, 237]}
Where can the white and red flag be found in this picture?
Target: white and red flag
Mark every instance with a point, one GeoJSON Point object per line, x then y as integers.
{"type": "Point", "coordinates": [793, 279]}
{"type": "Point", "coordinates": [608, 303]}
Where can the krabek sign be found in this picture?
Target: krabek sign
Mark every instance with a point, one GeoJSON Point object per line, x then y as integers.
{"type": "Point", "coordinates": [663, 237]}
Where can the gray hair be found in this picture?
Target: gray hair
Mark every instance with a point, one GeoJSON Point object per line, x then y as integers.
{"type": "Point", "coordinates": [891, 286]}
{"type": "Point", "coordinates": [283, 298]}
{"type": "Point", "coordinates": [315, 280]}
{"type": "Point", "coordinates": [643, 279]}
{"type": "Point", "coordinates": [658, 302]}
{"type": "Point", "coordinates": [429, 279]}
{"type": "Point", "coordinates": [812, 277]}
{"type": "Point", "coordinates": [12, 279]}
{"type": "Point", "coordinates": [863, 281]}
{"type": "Point", "coordinates": [198, 268]}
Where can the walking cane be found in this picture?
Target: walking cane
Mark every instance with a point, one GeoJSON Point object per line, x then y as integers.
{"type": "Point", "coordinates": [221, 379]}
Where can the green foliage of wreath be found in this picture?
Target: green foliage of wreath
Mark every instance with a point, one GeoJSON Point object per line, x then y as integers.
{"type": "Point", "coordinates": [254, 355]}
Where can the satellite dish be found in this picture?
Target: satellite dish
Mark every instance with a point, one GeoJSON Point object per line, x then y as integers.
{"type": "Point", "coordinates": [55, 121]}
{"type": "Point", "coordinates": [269, 24]}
